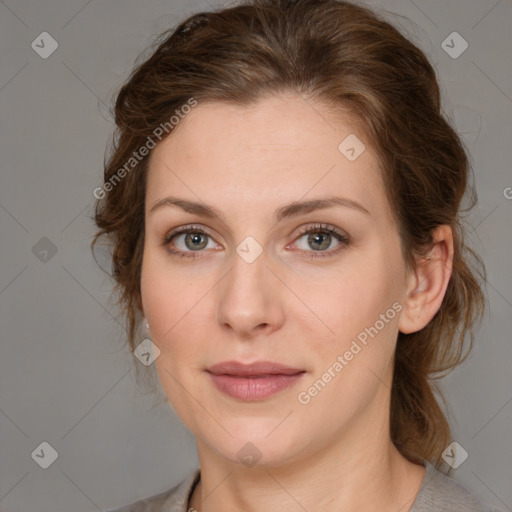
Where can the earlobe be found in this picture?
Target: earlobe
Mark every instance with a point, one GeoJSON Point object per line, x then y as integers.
{"type": "Point", "coordinates": [427, 284]}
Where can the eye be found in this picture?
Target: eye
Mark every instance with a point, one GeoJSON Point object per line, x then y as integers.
{"type": "Point", "coordinates": [320, 237]}
{"type": "Point", "coordinates": [193, 239]}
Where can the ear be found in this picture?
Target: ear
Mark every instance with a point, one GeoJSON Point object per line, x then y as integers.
{"type": "Point", "coordinates": [427, 283]}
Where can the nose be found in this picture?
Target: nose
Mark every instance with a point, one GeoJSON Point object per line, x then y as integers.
{"type": "Point", "coordinates": [249, 298]}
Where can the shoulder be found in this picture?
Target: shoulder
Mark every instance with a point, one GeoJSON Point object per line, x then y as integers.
{"type": "Point", "coordinates": [172, 500]}
{"type": "Point", "coordinates": [440, 493]}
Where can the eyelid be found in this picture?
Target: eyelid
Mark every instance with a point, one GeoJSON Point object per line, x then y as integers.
{"type": "Point", "coordinates": [303, 230]}
{"type": "Point", "coordinates": [342, 237]}
{"type": "Point", "coordinates": [186, 227]}
{"type": "Point", "coordinates": [321, 226]}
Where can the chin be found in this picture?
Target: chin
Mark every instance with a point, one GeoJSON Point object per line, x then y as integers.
{"type": "Point", "coordinates": [252, 448]}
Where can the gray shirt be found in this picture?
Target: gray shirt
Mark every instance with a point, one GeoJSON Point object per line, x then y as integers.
{"type": "Point", "coordinates": [438, 493]}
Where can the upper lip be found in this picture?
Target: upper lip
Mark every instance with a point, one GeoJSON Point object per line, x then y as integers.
{"type": "Point", "coordinates": [253, 369]}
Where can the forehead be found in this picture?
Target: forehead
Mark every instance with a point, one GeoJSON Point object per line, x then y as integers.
{"type": "Point", "coordinates": [283, 147]}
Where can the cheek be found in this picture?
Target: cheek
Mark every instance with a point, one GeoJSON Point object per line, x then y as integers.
{"type": "Point", "coordinates": [352, 299]}
{"type": "Point", "coordinates": [351, 370]}
{"type": "Point", "coordinates": [362, 309]}
{"type": "Point", "coordinates": [168, 295]}
{"type": "Point", "coordinates": [175, 305]}
{"type": "Point", "coordinates": [168, 300]}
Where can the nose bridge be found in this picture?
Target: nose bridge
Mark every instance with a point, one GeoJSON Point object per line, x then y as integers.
{"type": "Point", "coordinates": [247, 297]}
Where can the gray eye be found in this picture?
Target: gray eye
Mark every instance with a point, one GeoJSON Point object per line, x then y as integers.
{"type": "Point", "coordinates": [318, 241]}
{"type": "Point", "coordinates": [194, 241]}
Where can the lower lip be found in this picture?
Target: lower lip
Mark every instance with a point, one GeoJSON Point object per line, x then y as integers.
{"type": "Point", "coordinates": [256, 388]}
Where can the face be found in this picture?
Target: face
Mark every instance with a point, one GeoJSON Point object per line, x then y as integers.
{"type": "Point", "coordinates": [243, 282]}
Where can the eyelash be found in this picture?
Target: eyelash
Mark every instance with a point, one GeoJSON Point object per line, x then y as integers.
{"type": "Point", "coordinates": [317, 228]}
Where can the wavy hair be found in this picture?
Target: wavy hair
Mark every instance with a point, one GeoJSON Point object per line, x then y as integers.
{"type": "Point", "coordinates": [348, 57]}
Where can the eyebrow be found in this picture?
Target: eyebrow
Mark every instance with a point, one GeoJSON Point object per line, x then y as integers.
{"type": "Point", "coordinates": [290, 210]}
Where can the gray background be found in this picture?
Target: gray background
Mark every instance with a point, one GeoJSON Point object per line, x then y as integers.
{"type": "Point", "coordinates": [65, 376]}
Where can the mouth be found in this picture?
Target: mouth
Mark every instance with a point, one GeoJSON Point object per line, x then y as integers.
{"type": "Point", "coordinates": [255, 381]}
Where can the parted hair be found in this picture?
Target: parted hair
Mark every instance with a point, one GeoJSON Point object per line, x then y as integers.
{"type": "Point", "coordinates": [351, 59]}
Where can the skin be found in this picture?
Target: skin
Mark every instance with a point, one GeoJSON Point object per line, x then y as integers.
{"type": "Point", "coordinates": [285, 307]}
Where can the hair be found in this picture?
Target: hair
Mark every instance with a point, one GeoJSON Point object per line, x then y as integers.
{"type": "Point", "coordinates": [349, 58]}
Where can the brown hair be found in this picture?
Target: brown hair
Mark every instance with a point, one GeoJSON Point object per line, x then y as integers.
{"type": "Point", "coordinates": [349, 58]}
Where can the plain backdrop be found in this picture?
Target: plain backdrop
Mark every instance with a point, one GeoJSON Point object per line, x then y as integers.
{"type": "Point", "coordinates": [66, 377]}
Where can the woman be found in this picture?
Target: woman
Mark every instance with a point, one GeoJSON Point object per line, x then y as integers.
{"type": "Point", "coordinates": [284, 202]}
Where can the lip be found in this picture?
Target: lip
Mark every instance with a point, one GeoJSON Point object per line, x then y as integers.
{"type": "Point", "coordinates": [255, 381]}
{"type": "Point", "coordinates": [256, 369]}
